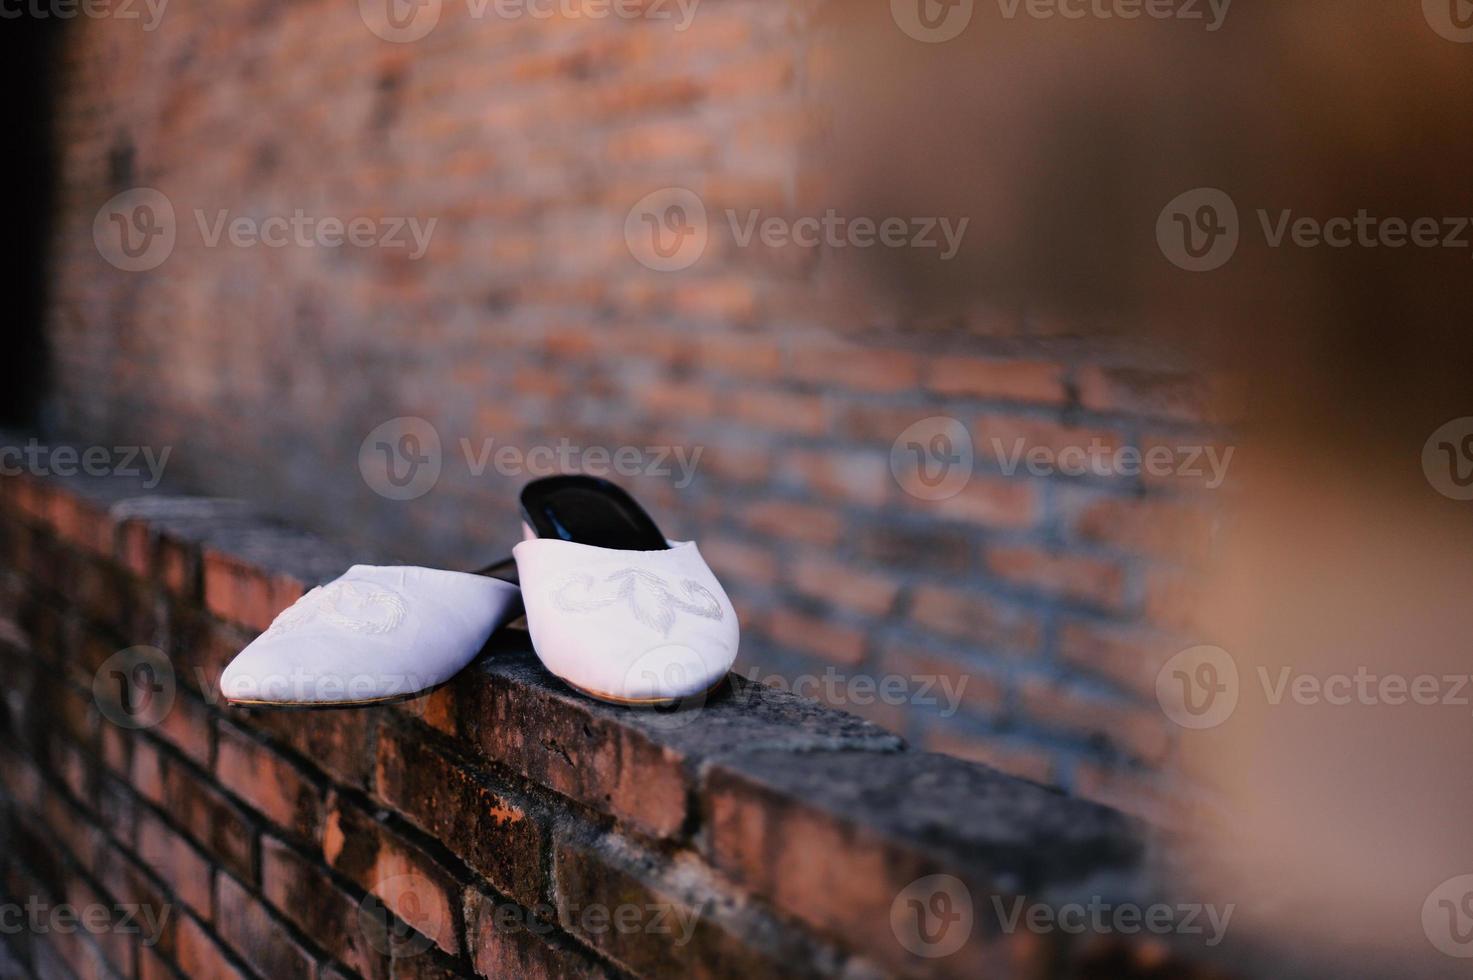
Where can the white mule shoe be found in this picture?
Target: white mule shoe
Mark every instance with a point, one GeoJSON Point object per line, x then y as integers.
{"type": "Point", "coordinates": [614, 609]}
{"type": "Point", "coordinates": [376, 633]}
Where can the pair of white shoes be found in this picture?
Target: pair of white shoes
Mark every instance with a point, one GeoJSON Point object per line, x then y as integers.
{"type": "Point", "coordinates": [614, 610]}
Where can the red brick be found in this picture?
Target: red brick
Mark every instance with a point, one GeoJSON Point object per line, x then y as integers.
{"type": "Point", "coordinates": [410, 883]}
{"type": "Point", "coordinates": [135, 544]}
{"type": "Point", "coordinates": [146, 770]}
{"type": "Point", "coordinates": [977, 619]}
{"type": "Point", "coordinates": [127, 882]}
{"type": "Point", "coordinates": [1128, 656]}
{"type": "Point", "coordinates": [779, 411]}
{"type": "Point", "coordinates": [267, 782]}
{"type": "Point", "coordinates": [1023, 761]}
{"type": "Point", "coordinates": [728, 299]}
{"type": "Point", "coordinates": [188, 727]}
{"type": "Point", "coordinates": [1092, 580]}
{"type": "Point", "coordinates": [179, 567]}
{"type": "Point", "coordinates": [216, 824]}
{"type": "Point", "coordinates": [503, 945]}
{"type": "Point", "coordinates": [182, 868]}
{"type": "Point", "coordinates": [561, 741]}
{"type": "Point", "coordinates": [82, 523]}
{"type": "Point", "coordinates": [840, 476]}
{"type": "Point", "coordinates": [787, 520]}
{"type": "Point", "coordinates": [844, 585]}
{"type": "Point", "coordinates": [1168, 395]}
{"type": "Point", "coordinates": [831, 641]}
{"type": "Point", "coordinates": [932, 677]}
{"type": "Point", "coordinates": [243, 593]}
{"type": "Point", "coordinates": [117, 750]}
{"type": "Point", "coordinates": [971, 377]}
{"type": "Point", "coordinates": [1148, 526]}
{"type": "Point", "coordinates": [200, 648]}
{"type": "Point", "coordinates": [337, 742]}
{"type": "Point", "coordinates": [603, 882]}
{"type": "Point", "coordinates": [993, 503]}
{"type": "Point", "coordinates": [198, 954]}
{"type": "Point", "coordinates": [1140, 730]}
{"type": "Point", "coordinates": [834, 875]}
{"type": "Point", "coordinates": [733, 558]}
{"type": "Point", "coordinates": [684, 400]}
{"type": "Point", "coordinates": [304, 894]}
{"type": "Point", "coordinates": [740, 356]}
{"type": "Point", "coordinates": [491, 831]}
{"type": "Point", "coordinates": [886, 371]}
{"type": "Point", "coordinates": [248, 928]}
{"type": "Point", "coordinates": [1006, 440]}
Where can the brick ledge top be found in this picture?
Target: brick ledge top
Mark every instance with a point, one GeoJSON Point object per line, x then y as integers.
{"type": "Point", "coordinates": [755, 780]}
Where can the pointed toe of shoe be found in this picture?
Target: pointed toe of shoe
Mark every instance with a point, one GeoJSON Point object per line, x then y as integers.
{"type": "Point", "coordinates": [374, 634]}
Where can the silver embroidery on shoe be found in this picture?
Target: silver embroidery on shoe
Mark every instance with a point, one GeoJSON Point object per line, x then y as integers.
{"type": "Point", "coordinates": [355, 606]}
{"type": "Point", "coordinates": [650, 598]}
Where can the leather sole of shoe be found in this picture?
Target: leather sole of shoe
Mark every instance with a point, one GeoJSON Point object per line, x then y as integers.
{"type": "Point", "coordinates": [639, 702]}
{"type": "Point", "coordinates": [390, 699]}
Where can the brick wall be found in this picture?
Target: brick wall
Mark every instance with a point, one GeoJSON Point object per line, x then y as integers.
{"type": "Point", "coordinates": [528, 320]}
{"type": "Point", "coordinates": [500, 826]}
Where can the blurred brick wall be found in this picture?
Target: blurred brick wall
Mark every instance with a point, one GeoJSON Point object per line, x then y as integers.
{"type": "Point", "coordinates": [529, 320]}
